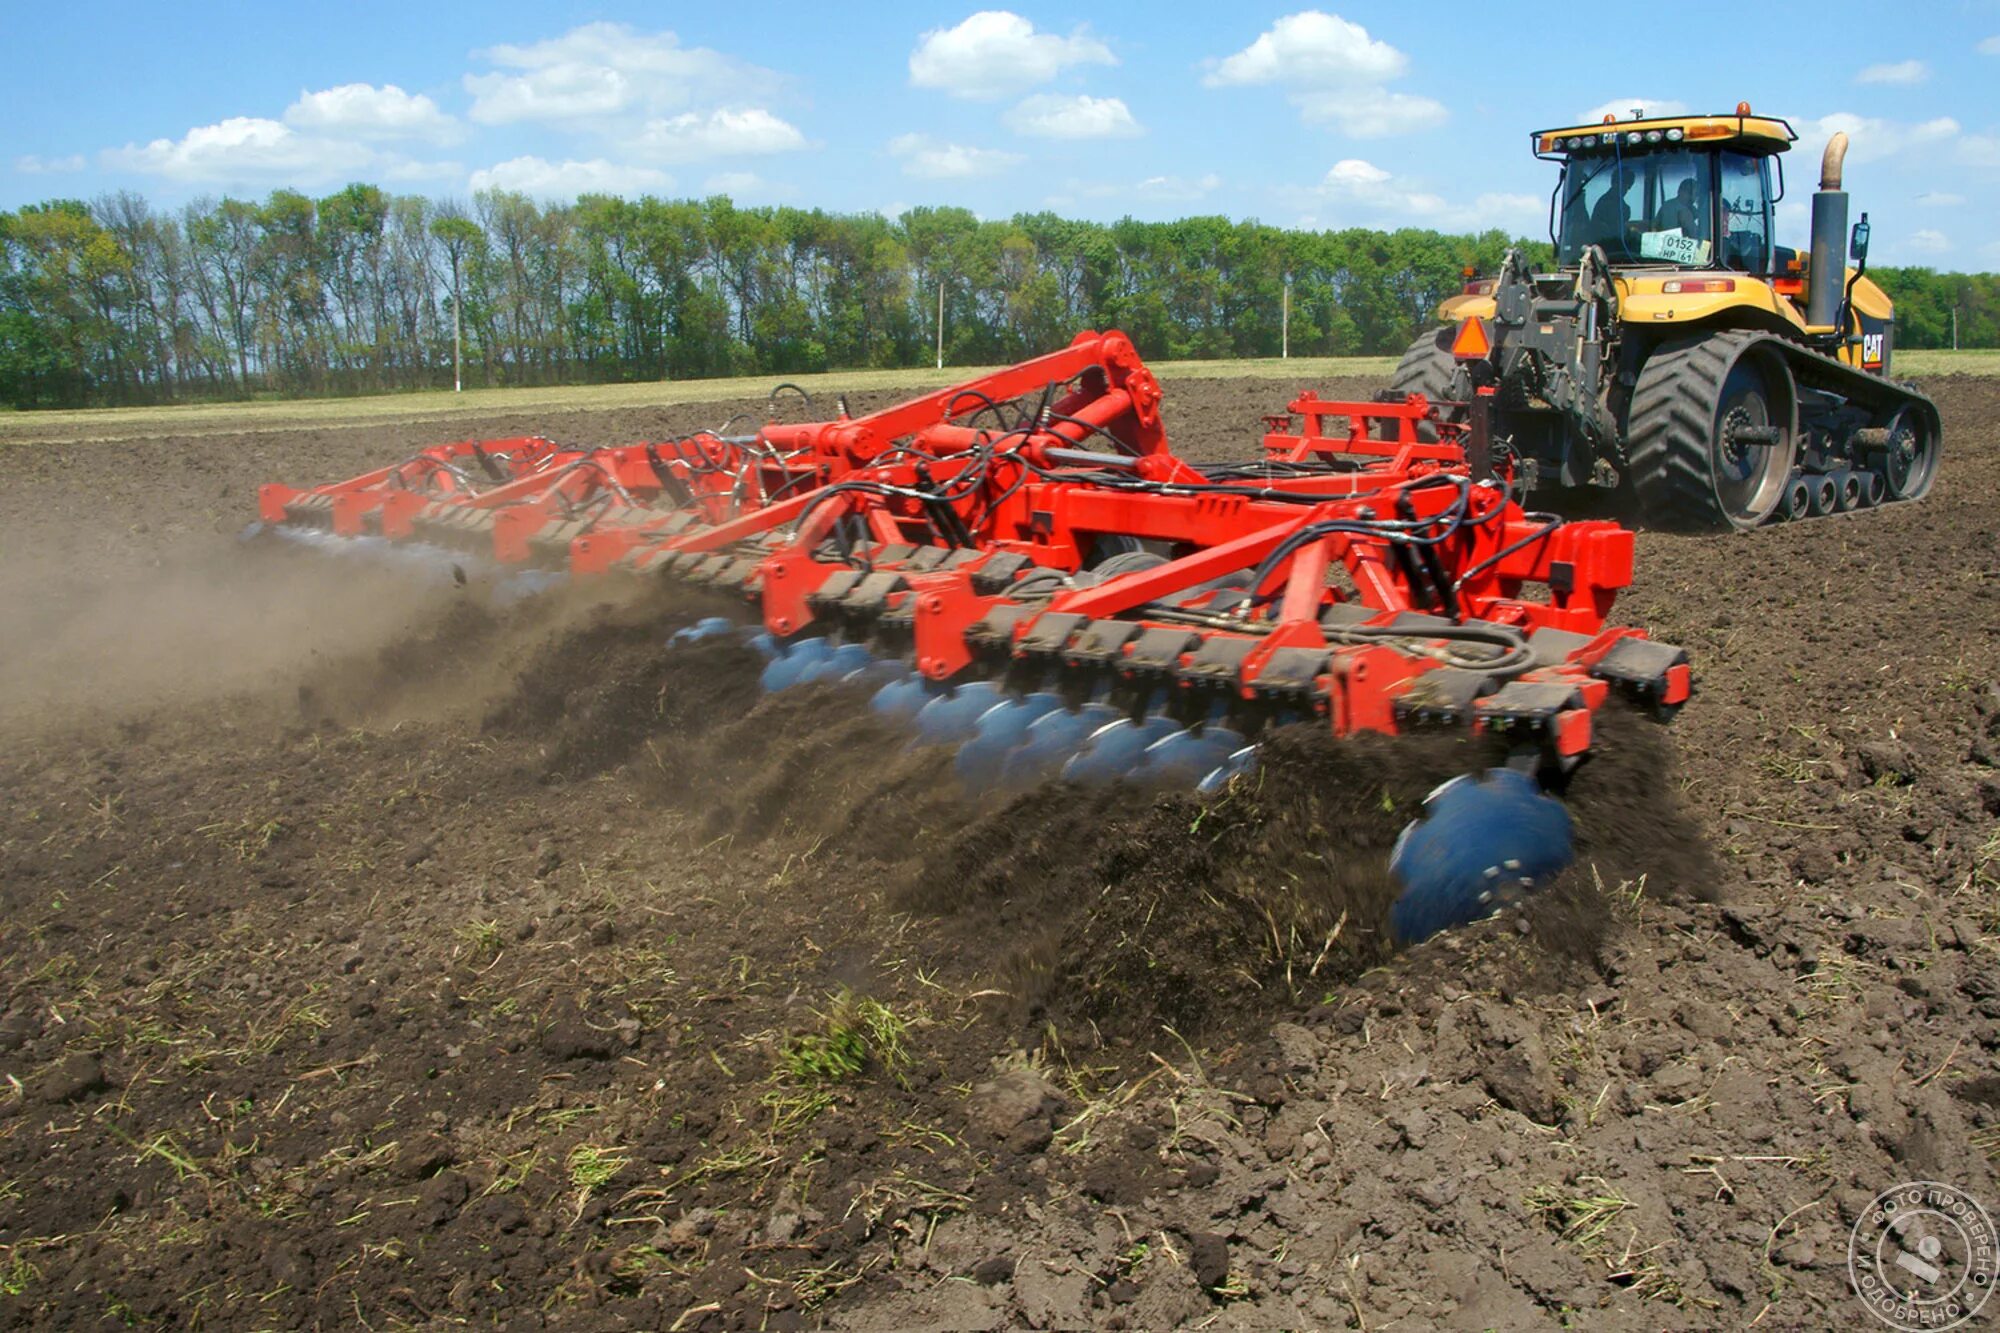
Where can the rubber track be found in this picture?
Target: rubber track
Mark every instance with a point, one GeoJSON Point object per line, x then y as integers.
{"type": "Point", "coordinates": [1884, 396]}
{"type": "Point", "coordinates": [1670, 426]}
{"type": "Point", "coordinates": [1673, 412]}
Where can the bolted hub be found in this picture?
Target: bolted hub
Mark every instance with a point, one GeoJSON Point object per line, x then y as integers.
{"type": "Point", "coordinates": [1741, 432]}
{"type": "Point", "coordinates": [1903, 446]}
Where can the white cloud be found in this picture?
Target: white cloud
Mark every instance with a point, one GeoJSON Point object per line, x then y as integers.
{"type": "Point", "coordinates": [253, 150]}
{"type": "Point", "coordinates": [395, 169]}
{"type": "Point", "coordinates": [1902, 74]}
{"type": "Point", "coordinates": [1383, 197]}
{"type": "Point", "coordinates": [1940, 199]}
{"type": "Point", "coordinates": [1334, 73]}
{"type": "Point", "coordinates": [1621, 108]}
{"type": "Point", "coordinates": [540, 177]}
{"type": "Point", "coordinates": [363, 111]}
{"type": "Point", "coordinates": [1927, 241]}
{"type": "Point", "coordinates": [1501, 209]}
{"type": "Point", "coordinates": [996, 52]}
{"type": "Point", "coordinates": [33, 164]}
{"type": "Point", "coordinates": [735, 183]}
{"type": "Point", "coordinates": [1311, 48]}
{"type": "Point", "coordinates": [1980, 150]}
{"type": "Point", "coordinates": [1990, 47]}
{"type": "Point", "coordinates": [693, 135]}
{"type": "Point", "coordinates": [1870, 139]}
{"type": "Point", "coordinates": [1354, 174]}
{"type": "Point", "coordinates": [1054, 116]}
{"type": "Point", "coordinates": [1177, 188]}
{"type": "Point", "coordinates": [928, 159]}
{"type": "Point", "coordinates": [244, 148]}
{"type": "Point", "coordinates": [601, 70]}
{"type": "Point", "coordinates": [1375, 116]}
{"type": "Point", "coordinates": [1153, 189]}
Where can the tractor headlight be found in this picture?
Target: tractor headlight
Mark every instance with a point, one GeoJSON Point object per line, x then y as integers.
{"type": "Point", "coordinates": [1673, 136]}
{"type": "Point", "coordinates": [1635, 138]}
{"type": "Point", "coordinates": [1652, 136]}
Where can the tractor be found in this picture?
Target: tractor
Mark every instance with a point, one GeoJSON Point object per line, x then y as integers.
{"type": "Point", "coordinates": [1677, 352]}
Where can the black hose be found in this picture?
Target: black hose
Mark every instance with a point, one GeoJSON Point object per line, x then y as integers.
{"type": "Point", "coordinates": [1549, 522]}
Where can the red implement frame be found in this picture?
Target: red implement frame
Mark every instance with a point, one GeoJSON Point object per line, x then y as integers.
{"type": "Point", "coordinates": [1368, 571]}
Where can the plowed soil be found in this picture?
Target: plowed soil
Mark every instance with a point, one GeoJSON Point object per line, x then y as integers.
{"type": "Point", "coordinates": [376, 954]}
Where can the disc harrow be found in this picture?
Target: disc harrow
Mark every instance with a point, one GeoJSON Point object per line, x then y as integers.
{"type": "Point", "coordinates": [1022, 568]}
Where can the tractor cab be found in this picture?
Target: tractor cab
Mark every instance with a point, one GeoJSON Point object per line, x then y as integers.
{"type": "Point", "coordinates": [1669, 191]}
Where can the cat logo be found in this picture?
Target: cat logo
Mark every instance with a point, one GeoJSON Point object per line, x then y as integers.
{"type": "Point", "coordinates": [1871, 349]}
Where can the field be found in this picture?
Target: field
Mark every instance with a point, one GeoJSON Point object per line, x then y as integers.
{"type": "Point", "coordinates": [374, 955]}
{"type": "Point", "coordinates": [483, 405]}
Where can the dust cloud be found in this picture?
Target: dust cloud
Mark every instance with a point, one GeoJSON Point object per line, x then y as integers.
{"type": "Point", "coordinates": [245, 619]}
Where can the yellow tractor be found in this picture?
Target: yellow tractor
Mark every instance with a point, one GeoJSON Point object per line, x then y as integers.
{"type": "Point", "coordinates": [1678, 350]}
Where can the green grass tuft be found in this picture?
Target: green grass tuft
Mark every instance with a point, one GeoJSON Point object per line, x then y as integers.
{"type": "Point", "coordinates": [853, 1030]}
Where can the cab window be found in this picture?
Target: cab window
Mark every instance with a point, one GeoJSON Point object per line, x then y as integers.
{"type": "Point", "coordinates": [1746, 210]}
{"type": "Point", "coordinates": [1644, 207]}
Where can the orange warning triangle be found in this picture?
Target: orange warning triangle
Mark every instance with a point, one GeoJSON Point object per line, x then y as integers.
{"type": "Point", "coordinates": [1471, 344]}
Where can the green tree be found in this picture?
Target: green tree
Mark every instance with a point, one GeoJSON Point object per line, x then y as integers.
{"type": "Point", "coordinates": [462, 241]}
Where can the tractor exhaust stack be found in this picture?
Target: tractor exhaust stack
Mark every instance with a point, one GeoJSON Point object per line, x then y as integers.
{"type": "Point", "coordinates": [1829, 237]}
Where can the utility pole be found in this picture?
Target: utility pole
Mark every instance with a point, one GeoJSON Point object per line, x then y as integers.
{"type": "Point", "coordinates": [457, 233]}
{"type": "Point", "coordinates": [1285, 321]}
{"type": "Point", "coordinates": [940, 345]}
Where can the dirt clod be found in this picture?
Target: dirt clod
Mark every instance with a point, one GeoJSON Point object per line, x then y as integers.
{"type": "Point", "coordinates": [76, 1076]}
{"type": "Point", "coordinates": [571, 1036]}
{"type": "Point", "coordinates": [993, 1269]}
{"type": "Point", "coordinates": [1208, 1258]}
{"type": "Point", "coordinates": [1001, 1106]}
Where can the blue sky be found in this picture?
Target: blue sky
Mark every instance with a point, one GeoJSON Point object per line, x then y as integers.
{"type": "Point", "coordinates": [1354, 114]}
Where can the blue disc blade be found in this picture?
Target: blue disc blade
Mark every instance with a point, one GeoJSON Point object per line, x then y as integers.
{"type": "Point", "coordinates": [1480, 842]}
{"type": "Point", "coordinates": [784, 670]}
{"type": "Point", "coordinates": [847, 658]}
{"type": "Point", "coordinates": [762, 641]}
{"type": "Point", "coordinates": [954, 716]}
{"type": "Point", "coordinates": [903, 698]}
{"type": "Point", "coordinates": [708, 627]}
{"type": "Point", "coordinates": [1113, 750]}
{"type": "Point", "coordinates": [1052, 738]}
{"type": "Point", "coordinates": [1008, 721]}
{"type": "Point", "coordinates": [999, 730]}
{"type": "Point", "coordinates": [1187, 756]}
{"type": "Point", "coordinates": [1243, 761]}
{"type": "Point", "coordinates": [879, 671]}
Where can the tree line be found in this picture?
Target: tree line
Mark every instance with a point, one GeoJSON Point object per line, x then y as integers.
{"type": "Point", "coordinates": [115, 301]}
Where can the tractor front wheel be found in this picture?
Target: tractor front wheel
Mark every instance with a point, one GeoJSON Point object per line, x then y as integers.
{"type": "Point", "coordinates": [1429, 368]}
